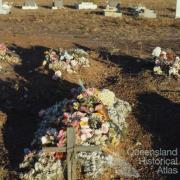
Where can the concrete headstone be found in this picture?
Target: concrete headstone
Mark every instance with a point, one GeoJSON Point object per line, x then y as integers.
{"type": "Point", "coordinates": [57, 4]}
{"type": "Point", "coordinates": [178, 9]}
{"type": "Point", "coordinates": [113, 3]}
{"type": "Point", "coordinates": [112, 9]}
{"type": "Point", "coordinates": [30, 4]}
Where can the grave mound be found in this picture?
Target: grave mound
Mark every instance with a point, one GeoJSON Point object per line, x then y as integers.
{"type": "Point", "coordinates": [69, 61]}
{"type": "Point", "coordinates": [98, 119]}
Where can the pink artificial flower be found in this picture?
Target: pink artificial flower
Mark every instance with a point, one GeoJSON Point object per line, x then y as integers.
{"type": "Point", "coordinates": [86, 130]}
{"type": "Point", "coordinates": [3, 48]}
{"type": "Point", "coordinates": [61, 137]}
{"type": "Point", "coordinates": [86, 133]}
{"type": "Point", "coordinates": [53, 56]}
{"type": "Point", "coordinates": [61, 143]}
{"type": "Point", "coordinates": [84, 109]}
{"type": "Point", "coordinates": [157, 62]}
{"type": "Point", "coordinates": [58, 155]}
{"type": "Point", "coordinates": [105, 128]}
{"type": "Point", "coordinates": [61, 134]}
{"type": "Point", "coordinates": [84, 119]}
{"type": "Point", "coordinates": [163, 55]}
{"type": "Point", "coordinates": [75, 123]}
{"type": "Point", "coordinates": [66, 115]}
{"type": "Point", "coordinates": [84, 94]}
{"type": "Point", "coordinates": [78, 114]}
{"type": "Point", "coordinates": [90, 91]}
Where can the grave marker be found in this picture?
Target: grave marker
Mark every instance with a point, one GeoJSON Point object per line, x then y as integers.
{"type": "Point", "coordinates": [142, 11]}
{"type": "Point", "coordinates": [178, 9]}
{"type": "Point", "coordinates": [86, 5]}
{"type": "Point", "coordinates": [113, 3]}
{"type": "Point", "coordinates": [71, 149]}
{"type": "Point", "coordinates": [4, 8]}
{"type": "Point", "coordinates": [57, 4]}
{"type": "Point", "coordinates": [30, 4]}
{"type": "Point", "coordinates": [112, 9]}
{"type": "Point", "coordinates": [148, 13]}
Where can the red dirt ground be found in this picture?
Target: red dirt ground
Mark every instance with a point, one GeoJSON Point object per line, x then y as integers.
{"type": "Point", "coordinates": [119, 47]}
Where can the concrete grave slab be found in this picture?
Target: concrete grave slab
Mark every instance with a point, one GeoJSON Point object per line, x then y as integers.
{"type": "Point", "coordinates": [142, 11]}
{"type": "Point", "coordinates": [148, 13]}
{"type": "Point", "coordinates": [57, 4]}
{"type": "Point", "coordinates": [110, 13]}
{"type": "Point", "coordinates": [30, 4]}
{"type": "Point", "coordinates": [86, 5]}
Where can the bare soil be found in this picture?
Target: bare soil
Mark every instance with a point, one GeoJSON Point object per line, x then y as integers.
{"type": "Point", "coordinates": [120, 49]}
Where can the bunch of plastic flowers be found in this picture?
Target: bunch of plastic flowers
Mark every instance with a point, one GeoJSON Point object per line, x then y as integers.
{"type": "Point", "coordinates": [3, 51]}
{"type": "Point", "coordinates": [166, 62]}
{"type": "Point", "coordinates": [7, 56]}
{"type": "Point", "coordinates": [66, 60]}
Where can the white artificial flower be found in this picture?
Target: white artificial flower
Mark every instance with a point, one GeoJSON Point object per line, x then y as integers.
{"type": "Point", "coordinates": [44, 140]}
{"type": "Point", "coordinates": [74, 63]}
{"type": "Point", "coordinates": [156, 52]}
{"type": "Point", "coordinates": [157, 70]}
{"type": "Point", "coordinates": [57, 75]}
{"type": "Point", "coordinates": [107, 97]}
{"type": "Point", "coordinates": [44, 63]}
{"type": "Point", "coordinates": [163, 53]}
{"type": "Point", "coordinates": [173, 71]}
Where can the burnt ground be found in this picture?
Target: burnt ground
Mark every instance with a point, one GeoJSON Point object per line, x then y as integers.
{"type": "Point", "coordinates": [120, 49]}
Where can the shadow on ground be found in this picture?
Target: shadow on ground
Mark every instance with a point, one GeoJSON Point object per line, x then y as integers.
{"type": "Point", "coordinates": [129, 64]}
{"type": "Point", "coordinates": [24, 96]}
{"type": "Point", "coordinates": [160, 117]}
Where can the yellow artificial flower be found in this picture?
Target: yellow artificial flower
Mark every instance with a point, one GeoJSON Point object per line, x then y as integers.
{"type": "Point", "coordinates": [114, 140]}
{"type": "Point", "coordinates": [84, 123]}
{"type": "Point", "coordinates": [76, 105]}
{"type": "Point", "coordinates": [80, 96]}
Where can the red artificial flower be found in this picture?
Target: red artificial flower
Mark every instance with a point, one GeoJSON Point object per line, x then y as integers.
{"type": "Point", "coordinates": [58, 155]}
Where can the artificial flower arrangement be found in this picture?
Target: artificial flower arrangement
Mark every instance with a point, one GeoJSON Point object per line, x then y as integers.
{"type": "Point", "coordinates": [98, 118]}
{"type": "Point", "coordinates": [166, 62]}
{"type": "Point", "coordinates": [66, 60]}
{"type": "Point", "coordinates": [7, 56]}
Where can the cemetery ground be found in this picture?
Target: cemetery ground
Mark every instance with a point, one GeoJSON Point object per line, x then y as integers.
{"type": "Point", "coordinates": [120, 49]}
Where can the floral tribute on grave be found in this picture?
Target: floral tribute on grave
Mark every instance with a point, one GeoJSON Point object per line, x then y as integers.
{"type": "Point", "coordinates": [98, 117]}
{"type": "Point", "coordinates": [66, 60]}
{"type": "Point", "coordinates": [7, 56]}
{"type": "Point", "coordinates": [166, 62]}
